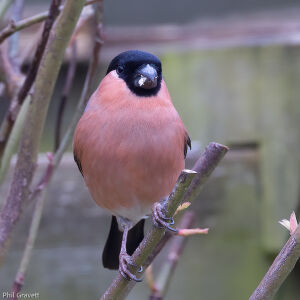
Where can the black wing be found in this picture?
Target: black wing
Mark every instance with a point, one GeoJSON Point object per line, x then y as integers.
{"type": "Point", "coordinates": [187, 143]}
{"type": "Point", "coordinates": [78, 163]}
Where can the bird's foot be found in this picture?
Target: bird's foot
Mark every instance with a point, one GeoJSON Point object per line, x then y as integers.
{"type": "Point", "coordinates": [125, 261]}
{"type": "Point", "coordinates": [160, 219]}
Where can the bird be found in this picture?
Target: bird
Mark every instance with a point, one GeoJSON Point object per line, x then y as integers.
{"type": "Point", "coordinates": [130, 146]}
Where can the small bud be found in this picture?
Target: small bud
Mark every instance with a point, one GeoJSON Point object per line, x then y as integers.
{"type": "Point", "coordinates": [183, 206]}
{"type": "Point", "coordinates": [291, 224]}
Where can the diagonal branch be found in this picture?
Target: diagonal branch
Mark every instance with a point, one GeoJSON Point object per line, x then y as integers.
{"type": "Point", "coordinates": [13, 27]}
{"type": "Point", "coordinates": [280, 269]}
{"type": "Point", "coordinates": [212, 155]}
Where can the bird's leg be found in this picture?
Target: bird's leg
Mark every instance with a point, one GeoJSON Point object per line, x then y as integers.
{"type": "Point", "coordinates": [160, 219]}
{"type": "Point", "coordinates": [124, 258]}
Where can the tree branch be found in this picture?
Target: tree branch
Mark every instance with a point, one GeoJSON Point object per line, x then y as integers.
{"type": "Point", "coordinates": [29, 144]}
{"type": "Point", "coordinates": [280, 269]}
{"type": "Point", "coordinates": [41, 190]}
{"type": "Point", "coordinates": [212, 155]}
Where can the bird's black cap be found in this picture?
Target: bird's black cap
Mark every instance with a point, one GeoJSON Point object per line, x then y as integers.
{"type": "Point", "coordinates": [140, 70]}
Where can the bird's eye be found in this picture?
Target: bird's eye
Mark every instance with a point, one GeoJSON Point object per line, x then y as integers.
{"type": "Point", "coordinates": [120, 69]}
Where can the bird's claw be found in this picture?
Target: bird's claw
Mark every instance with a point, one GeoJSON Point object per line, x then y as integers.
{"type": "Point", "coordinates": [160, 219]}
{"type": "Point", "coordinates": [140, 269]}
{"type": "Point", "coordinates": [125, 260]}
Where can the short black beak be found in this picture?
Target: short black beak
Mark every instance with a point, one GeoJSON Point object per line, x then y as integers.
{"type": "Point", "coordinates": [146, 77]}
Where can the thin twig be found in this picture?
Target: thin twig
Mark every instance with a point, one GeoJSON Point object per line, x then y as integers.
{"type": "Point", "coordinates": [31, 135]}
{"type": "Point", "coordinates": [65, 94]}
{"type": "Point", "coordinates": [13, 27]}
{"type": "Point", "coordinates": [45, 179]}
{"type": "Point", "coordinates": [13, 111]}
{"type": "Point", "coordinates": [168, 268]}
{"type": "Point", "coordinates": [40, 193]}
{"type": "Point", "coordinates": [38, 210]}
{"type": "Point", "coordinates": [214, 152]}
{"type": "Point", "coordinates": [17, 26]}
{"type": "Point", "coordinates": [280, 269]}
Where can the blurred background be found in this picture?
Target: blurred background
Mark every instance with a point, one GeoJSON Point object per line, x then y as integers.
{"type": "Point", "coordinates": [233, 72]}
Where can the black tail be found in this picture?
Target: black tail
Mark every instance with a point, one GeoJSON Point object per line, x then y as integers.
{"type": "Point", "coordinates": [111, 251]}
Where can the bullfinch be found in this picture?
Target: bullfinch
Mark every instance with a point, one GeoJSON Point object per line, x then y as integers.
{"type": "Point", "coordinates": [130, 145]}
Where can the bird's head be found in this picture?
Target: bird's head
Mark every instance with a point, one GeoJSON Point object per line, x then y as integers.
{"type": "Point", "coordinates": [140, 70]}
